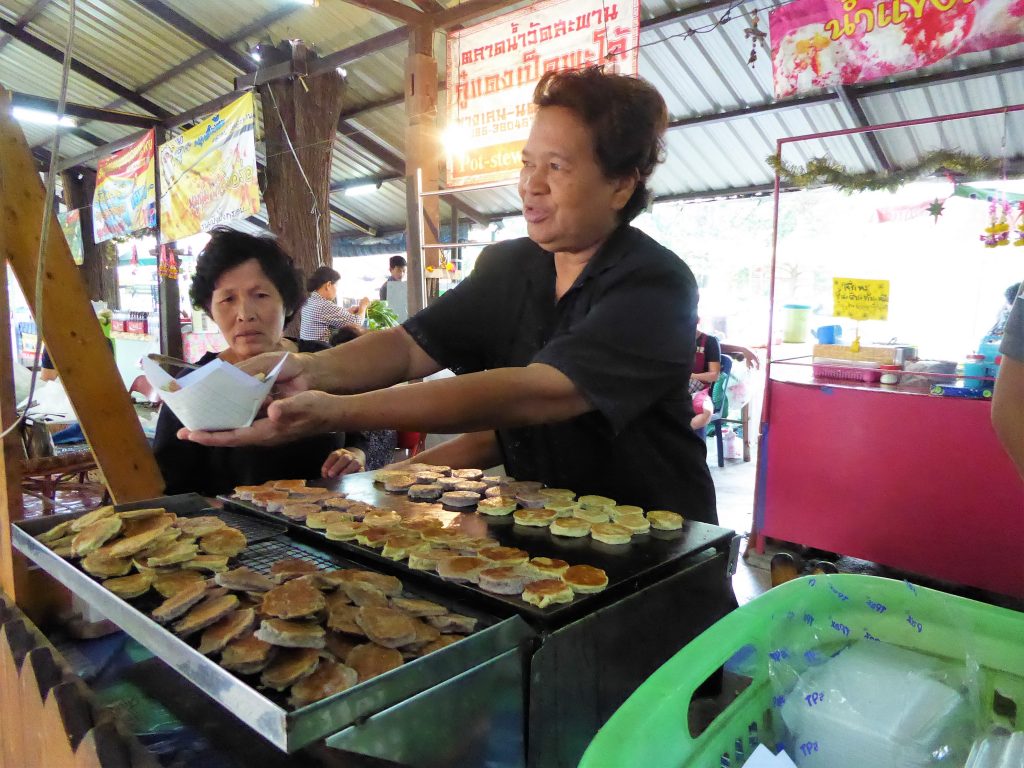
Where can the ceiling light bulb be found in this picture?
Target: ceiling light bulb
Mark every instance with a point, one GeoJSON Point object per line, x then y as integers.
{"type": "Point", "coordinates": [342, 71]}
{"type": "Point", "coordinates": [41, 117]}
{"type": "Point", "coordinates": [456, 139]}
{"type": "Point", "coordinates": [359, 189]}
{"type": "Point", "coordinates": [256, 55]}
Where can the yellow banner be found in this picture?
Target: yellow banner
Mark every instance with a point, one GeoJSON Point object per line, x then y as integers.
{"type": "Point", "coordinates": [208, 173]}
{"type": "Point", "coordinates": [860, 299]}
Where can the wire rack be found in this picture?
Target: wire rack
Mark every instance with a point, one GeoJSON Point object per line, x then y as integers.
{"type": "Point", "coordinates": [261, 555]}
{"type": "Point", "coordinates": [255, 530]}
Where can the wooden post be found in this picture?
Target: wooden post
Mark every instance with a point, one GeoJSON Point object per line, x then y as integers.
{"type": "Point", "coordinates": [69, 326]}
{"type": "Point", "coordinates": [168, 294]}
{"type": "Point", "coordinates": [423, 149]}
{"type": "Point", "coordinates": [99, 268]}
{"type": "Point", "coordinates": [308, 107]}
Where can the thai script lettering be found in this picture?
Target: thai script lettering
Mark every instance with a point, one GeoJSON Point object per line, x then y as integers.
{"type": "Point", "coordinates": [883, 14]}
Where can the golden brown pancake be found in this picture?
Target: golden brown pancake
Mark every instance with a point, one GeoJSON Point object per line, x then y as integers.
{"type": "Point", "coordinates": [538, 518]}
{"type": "Point", "coordinates": [289, 666]}
{"type": "Point", "coordinates": [468, 474]}
{"type": "Point", "coordinates": [610, 533]}
{"type": "Point", "coordinates": [226, 541]}
{"type": "Point", "coordinates": [635, 523]}
{"type": "Point", "coordinates": [585, 578]}
{"type": "Point", "coordinates": [58, 531]}
{"type": "Point", "coordinates": [596, 502]}
{"type": "Point", "coordinates": [397, 547]}
{"type": "Point", "coordinates": [128, 587]}
{"type": "Point", "coordinates": [399, 483]}
{"type": "Point", "coordinates": [345, 530]}
{"type": "Point", "coordinates": [386, 626]}
{"type": "Point", "coordinates": [504, 580]}
{"type": "Point", "coordinates": [247, 655]}
{"type": "Point", "coordinates": [229, 628]}
{"type": "Point", "coordinates": [557, 493]}
{"type": "Point", "coordinates": [135, 526]}
{"type": "Point", "coordinates": [425, 634]}
{"type": "Point", "coordinates": [363, 594]}
{"type": "Point", "coordinates": [320, 520]}
{"type": "Point", "coordinates": [444, 536]}
{"type": "Point", "coordinates": [340, 644]}
{"type": "Point", "coordinates": [547, 567]}
{"type": "Point", "coordinates": [292, 634]}
{"type": "Point", "coordinates": [170, 584]}
{"type": "Point", "coordinates": [178, 603]}
{"type": "Point", "coordinates": [462, 568]}
{"type": "Point", "coordinates": [202, 525]}
{"type": "Point", "coordinates": [417, 608]}
{"type": "Point", "coordinates": [288, 485]}
{"type": "Point", "coordinates": [375, 537]}
{"type": "Point", "coordinates": [263, 498]}
{"type": "Point", "coordinates": [342, 618]}
{"type": "Point", "coordinates": [571, 527]}
{"type": "Point", "coordinates": [141, 514]}
{"type": "Point", "coordinates": [95, 535]}
{"type": "Point", "coordinates": [389, 585]}
{"type": "Point", "coordinates": [294, 599]}
{"type": "Point", "coordinates": [336, 503]}
{"type": "Point", "coordinates": [102, 565]}
{"type": "Point", "coordinates": [442, 642]}
{"type": "Point", "coordinates": [291, 568]}
{"type": "Point", "coordinates": [665, 521]}
{"type": "Point", "coordinates": [176, 552]}
{"type": "Point", "coordinates": [370, 660]}
{"type": "Point", "coordinates": [426, 557]}
{"type": "Point", "coordinates": [211, 610]}
{"type": "Point", "coordinates": [460, 498]}
{"type": "Point", "coordinates": [505, 555]}
{"type": "Point", "coordinates": [593, 515]}
{"type": "Point", "coordinates": [88, 519]}
{"type": "Point", "coordinates": [245, 492]}
{"type": "Point", "coordinates": [330, 677]}
{"type": "Point", "coordinates": [244, 579]}
{"type": "Point", "coordinates": [212, 563]}
{"type": "Point", "coordinates": [453, 622]}
{"type": "Point", "coordinates": [547, 591]}
{"type": "Point", "coordinates": [496, 506]}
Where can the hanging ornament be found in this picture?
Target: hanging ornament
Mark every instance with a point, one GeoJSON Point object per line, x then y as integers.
{"type": "Point", "coordinates": [935, 209]}
{"type": "Point", "coordinates": [1020, 224]}
{"type": "Point", "coordinates": [167, 263]}
{"type": "Point", "coordinates": [134, 261]}
{"type": "Point", "coordinates": [755, 35]}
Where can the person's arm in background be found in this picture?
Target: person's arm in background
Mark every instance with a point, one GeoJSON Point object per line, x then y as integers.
{"type": "Point", "coordinates": [751, 359]}
{"type": "Point", "coordinates": [335, 317]}
{"type": "Point", "coordinates": [1008, 400]}
{"type": "Point", "coordinates": [713, 358]}
{"type": "Point", "coordinates": [472, 450]}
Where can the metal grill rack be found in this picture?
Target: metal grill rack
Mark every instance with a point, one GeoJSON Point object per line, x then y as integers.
{"type": "Point", "coordinates": [263, 554]}
{"type": "Point", "coordinates": [254, 530]}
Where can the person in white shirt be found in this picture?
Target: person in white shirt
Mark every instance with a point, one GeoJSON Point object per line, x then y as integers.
{"type": "Point", "coordinates": [321, 315]}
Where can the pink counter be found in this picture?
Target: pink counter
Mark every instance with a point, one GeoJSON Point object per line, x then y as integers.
{"type": "Point", "coordinates": [913, 481]}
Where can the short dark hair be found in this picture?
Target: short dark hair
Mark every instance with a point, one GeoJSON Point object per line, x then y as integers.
{"type": "Point", "coordinates": [344, 334]}
{"type": "Point", "coordinates": [397, 261]}
{"type": "Point", "coordinates": [627, 118]}
{"type": "Point", "coordinates": [227, 249]}
{"type": "Point", "coordinates": [1011, 293]}
{"type": "Point", "coordinates": [321, 276]}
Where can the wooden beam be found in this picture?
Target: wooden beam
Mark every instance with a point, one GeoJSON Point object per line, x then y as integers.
{"type": "Point", "coordinates": [51, 52]}
{"type": "Point", "coordinates": [428, 6]}
{"type": "Point", "coordinates": [468, 11]}
{"type": "Point", "coordinates": [192, 30]}
{"type": "Point", "coordinates": [370, 145]}
{"type": "Point", "coordinates": [73, 337]}
{"type": "Point", "coordinates": [101, 151]}
{"type": "Point", "coordinates": [359, 224]}
{"type": "Point", "coordinates": [341, 186]}
{"type": "Point", "coordinates": [362, 109]}
{"type": "Point", "coordinates": [860, 119]}
{"type": "Point", "coordinates": [83, 112]}
{"type": "Point", "coordinates": [750, 110]}
{"type": "Point", "coordinates": [392, 8]}
{"type": "Point", "coordinates": [25, 19]}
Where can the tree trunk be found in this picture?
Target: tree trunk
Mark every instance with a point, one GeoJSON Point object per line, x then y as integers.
{"type": "Point", "coordinates": [99, 268]}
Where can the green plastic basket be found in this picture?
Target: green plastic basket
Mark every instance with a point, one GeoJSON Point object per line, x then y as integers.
{"type": "Point", "coordinates": [650, 729]}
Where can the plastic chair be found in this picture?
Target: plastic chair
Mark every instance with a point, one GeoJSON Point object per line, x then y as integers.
{"type": "Point", "coordinates": [720, 401]}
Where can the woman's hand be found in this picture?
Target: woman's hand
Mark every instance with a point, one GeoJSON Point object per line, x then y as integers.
{"type": "Point", "coordinates": [305, 414]}
{"type": "Point", "coordinates": [343, 461]}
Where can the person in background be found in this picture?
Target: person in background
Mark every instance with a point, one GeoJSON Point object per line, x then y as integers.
{"type": "Point", "coordinates": [397, 267]}
{"type": "Point", "coordinates": [1008, 400]}
{"type": "Point", "coordinates": [321, 314]}
{"type": "Point", "coordinates": [707, 362]}
{"type": "Point", "coordinates": [1004, 314]}
{"type": "Point", "coordinates": [249, 288]}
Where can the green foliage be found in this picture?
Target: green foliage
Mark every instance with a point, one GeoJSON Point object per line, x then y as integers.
{"type": "Point", "coordinates": [825, 171]}
{"type": "Point", "coordinates": [379, 315]}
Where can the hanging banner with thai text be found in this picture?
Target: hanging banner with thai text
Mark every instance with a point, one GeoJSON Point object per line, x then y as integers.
{"type": "Point", "coordinates": [820, 44]}
{"type": "Point", "coordinates": [208, 173]}
{"type": "Point", "coordinates": [860, 299]}
{"type": "Point", "coordinates": [71, 223]}
{"type": "Point", "coordinates": [493, 68]}
{"type": "Point", "coordinates": [125, 198]}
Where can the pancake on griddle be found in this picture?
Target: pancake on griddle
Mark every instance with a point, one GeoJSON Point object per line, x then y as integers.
{"type": "Point", "coordinates": [505, 555]}
{"type": "Point", "coordinates": [247, 655]}
{"type": "Point", "coordinates": [418, 608]}
{"type": "Point", "coordinates": [344, 530]}
{"type": "Point", "coordinates": [585, 578]}
{"type": "Point", "coordinates": [128, 587]}
{"type": "Point", "coordinates": [244, 579]}
{"type": "Point", "coordinates": [572, 527]}
{"type": "Point", "coordinates": [496, 505]}
{"type": "Point", "coordinates": [548, 567]}
{"type": "Point", "coordinates": [211, 610]}
{"type": "Point", "coordinates": [294, 599]}
{"type": "Point", "coordinates": [593, 515]}
{"type": "Point", "coordinates": [460, 498]}
{"type": "Point", "coordinates": [230, 627]}
{"type": "Point", "coordinates": [292, 634]}
{"type": "Point", "coordinates": [202, 525]}
{"type": "Point", "coordinates": [665, 521]}
{"type": "Point", "coordinates": [321, 520]}
{"type": "Point", "coordinates": [503, 580]}
{"type": "Point", "coordinates": [289, 666]}
{"type": "Point", "coordinates": [544, 592]}
{"type": "Point", "coordinates": [225, 541]}
{"type": "Point", "coordinates": [462, 568]}
{"type": "Point", "coordinates": [468, 474]}
{"type": "Point", "coordinates": [386, 626]}
{"type": "Point", "coordinates": [370, 660]}
{"type": "Point", "coordinates": [397, 547]}
{"type": "Point", "coordinates": [330, 677]}
{"type": "Point", "coordinates": [611, 533]}
{"type": "Point", "coordinates": [453, 622]}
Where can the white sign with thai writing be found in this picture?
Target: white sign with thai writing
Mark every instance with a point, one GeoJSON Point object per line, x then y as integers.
{"type": "Point", "coordinates": [493, 68]}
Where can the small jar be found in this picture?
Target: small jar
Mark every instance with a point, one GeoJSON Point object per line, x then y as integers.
{"type": "Point", "coordinates": [890, 374]}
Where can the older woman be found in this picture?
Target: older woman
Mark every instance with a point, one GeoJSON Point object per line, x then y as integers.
{"type": "Point", "coordinates": [575, 344]}
{"type": "Point", "coordinates": [250, 288]}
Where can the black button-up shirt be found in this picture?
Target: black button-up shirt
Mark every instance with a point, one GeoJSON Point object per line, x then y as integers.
{"type": "Point", "coordinates": [624, 334]}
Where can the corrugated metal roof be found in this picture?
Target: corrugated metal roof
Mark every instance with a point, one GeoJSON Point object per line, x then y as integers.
{"type": "Point", "coordinates": [701, 77]}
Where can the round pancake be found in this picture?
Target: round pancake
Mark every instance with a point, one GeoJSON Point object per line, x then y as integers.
{"type": "Point", "coordinates": [399, 483]}
{"type": "Point", "coordinates": [128, 587]}
{"type": "Point", "coordinates": [209, 611]}
{"type": "Point", "coordinates": [88, 519]}
{"type": "Point", "coordinates": [572, 527]}
{"type": "Point", "coordinates": [342, 618]}
{"type": "Point", "coordinates": [496, 505]}
{"type": "Point", "coordinates": [397, 547]}
{"type": "Point", "coordinates": [386, 626]}
{"type": "Point", "coordinates": [557, 493]}
{"type": "Point", "coordinates": [425, 492]}
{"type": "Point", "coordinates": [232, 626]}
{"type": "Point", "coordinates": [170, 584]}
{"type": "Point", "coordinates": [292, 634]}
{"type": "Point", "coordinates": [635, 523]}
{"type": "Point", "coordinates": [421, 524]}
{"type": "Point", "coordinates": [460, 498]}
{"type": "Point", "coordinates": [503, 580]}
{"type": "Point", "coordinates": [202, 525]}
{"type": "Point", "coordinates": [548, 567]}
{"type": "Point", "coordinates": [417, 608]}
{"type": "Point", "coordinates": [178, 603]}
{"type": "Point", "coordinates": [289, 667]}
{"type": "Point", "coordinates": [226, 541]}
{"type": "Point", "coordinates": [449, 483]}
{"type": "Point", "coordinates": [137, 526]}
{"type": "Point", "coordinates": [329, 678]}
{"type": "Point", "coordinates": [561, 507]}
{"type": "Point", "coordinates": [531, 499]}
{"type": "Point", "coordinates": [344, 530]}
{"type": "Point", "coordinates": [468, 474]}
{"type": "Point", "coordinates": [370, 660]}
{"type": "Point", "coordinates": [95, 535]}
{"type": "Point", "coordinates": [247, 655]}
{"type": "Point", "coordinates": [461, 568]}
{"type": "Point", "coordinates": [244, 579]}
{"type": "Point", "coordinates": [320, 520]}
{"type": "Point", "coordinates": [381, 518]}
{"type": "Point", "coordinates": [585, 578]}
{"type": "Point", "coordinates": [291, 568]}
{"type": "Point", "coordinates": [610, 533]}
{"type": "Point", "coordinates": [505, 555]}
{"type": "Point", "coordinates": [298, 510]}
{"type": "Point", "coordinates": [474, 486]}
{"type": "Point", "coordinates": [102, 565]}
{"type": "Point", "coordinates": [375, 538]}
{"type": "Point", "coordinates": [427, 477]}
{"type": "Point", "coordinates": [389, 585]}
{"type": "Point", "coordinates": [294, 599]}
{"type": "Point", "coordinates": [446, 536]}
{"type": "Point", "coordinates": [595, 502]}
{"type": "Point", "coordinates": [593, 515]}
{"type": "Point", "coordinates": [427, 557]}
{"type": "Point", "coordinates": [665, 521]}
{"type": "Point", "coordinates": [212, 563]}
{"type": "Point", "coordinates": [544, 592]}
{"type": "Point", "coordinates": [537, 518]}
{"type": "Point", "coordinates": [624, 509]}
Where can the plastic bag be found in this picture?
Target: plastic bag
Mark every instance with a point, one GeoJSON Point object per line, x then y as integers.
{"type": "Point", "coordinates": [998, 750]}
{"type": "Point", "coordinates": [856, 688]}
{"type": "Point", "coordinates": [738, 390]}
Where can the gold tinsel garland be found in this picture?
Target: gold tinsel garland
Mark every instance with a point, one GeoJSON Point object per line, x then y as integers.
{"type": "Point", "coordinates": [825, 171]}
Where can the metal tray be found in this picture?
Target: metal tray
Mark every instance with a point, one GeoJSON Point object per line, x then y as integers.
{"type": "Point", "coordinates": [266, 713]}
{"type": "Point", "coordinates": [628, 566]}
